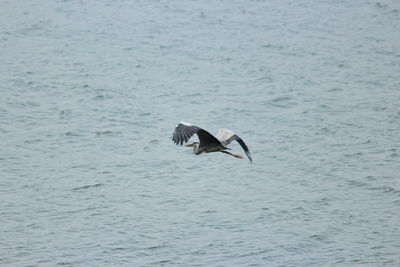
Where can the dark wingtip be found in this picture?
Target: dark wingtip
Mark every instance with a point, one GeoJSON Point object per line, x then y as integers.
{"type": "Point", "coordinates": [249, 156]}
{"type": "Point", "coordinates": [245, 148]}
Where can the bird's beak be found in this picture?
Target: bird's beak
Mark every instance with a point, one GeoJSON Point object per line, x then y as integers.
{"type": "Point", "coordinates": [189, 145]}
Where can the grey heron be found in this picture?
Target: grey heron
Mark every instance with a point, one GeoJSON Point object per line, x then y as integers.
{"type": "Point", "coordinates": [208, 143]}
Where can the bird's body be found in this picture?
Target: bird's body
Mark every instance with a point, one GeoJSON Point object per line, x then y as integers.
{"type": "Point", "coordinates": [197, 149]}
{"type": "Point", "coordinates": [208, 143]}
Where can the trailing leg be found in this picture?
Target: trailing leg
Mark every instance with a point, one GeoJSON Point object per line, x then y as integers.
{"type": "Point", "coordinates": [232, 154]}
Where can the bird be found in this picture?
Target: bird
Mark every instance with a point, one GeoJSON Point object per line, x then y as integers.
{"type": "Point", "coordinates": [208, 143]}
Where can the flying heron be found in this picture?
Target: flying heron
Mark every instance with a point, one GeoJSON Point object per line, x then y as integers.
{"type": "Point", "coordinates": [208, 143]}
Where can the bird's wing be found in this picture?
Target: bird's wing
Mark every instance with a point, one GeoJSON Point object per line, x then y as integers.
{"type": "Point", "coordinates": [223, 136]}
{"type": "Point", "coordinates": [207, 139]}
{"type": "Point", "coordinates": [183, 132]}
{"type": "Point", "coordinates": [226, 136]}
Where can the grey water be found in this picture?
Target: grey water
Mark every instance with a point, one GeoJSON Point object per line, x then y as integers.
{"type": "Point", "coordinates": [90, 93]}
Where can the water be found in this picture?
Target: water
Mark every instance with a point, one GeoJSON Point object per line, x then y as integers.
{"type": "Point", "coordinates": [92, 90]}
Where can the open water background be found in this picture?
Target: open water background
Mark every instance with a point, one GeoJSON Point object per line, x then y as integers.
{"type": "Point", "coordinates": [92, 90]}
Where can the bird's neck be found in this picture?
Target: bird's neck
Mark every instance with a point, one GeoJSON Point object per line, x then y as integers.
{"type": "Point", "coordinates": [196, 149]}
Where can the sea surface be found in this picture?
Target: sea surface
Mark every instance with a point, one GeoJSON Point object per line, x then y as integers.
{"type": "Point", "coordinates": [90, 93]}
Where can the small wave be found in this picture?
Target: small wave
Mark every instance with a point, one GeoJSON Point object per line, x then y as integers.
{"type": "Point", "coordinates": [87, 186]}
{"type": "Point", "coordinates": [392, 7]}
{"type": "Point", "coordinates": [334, 89]}
{"type": "Point", "coordinates": [69, 133]}
{"type": "Point", "coordinates": [282, 101]}
{"type": "Point", "coordinates": [106, 133]}
{"type": "Point", "coordinates": [386, 189]}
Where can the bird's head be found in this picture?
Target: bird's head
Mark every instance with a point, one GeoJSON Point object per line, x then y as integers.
{"type": "Point", "coordinates": [195, 144]}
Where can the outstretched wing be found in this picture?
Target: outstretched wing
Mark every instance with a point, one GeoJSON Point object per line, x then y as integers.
{"type": "Point", "coordinates": [207, 140]}
{"type": "Point", "coordinates": [226, 136]}
{"type": "Point", "coordinates": [183, 132]}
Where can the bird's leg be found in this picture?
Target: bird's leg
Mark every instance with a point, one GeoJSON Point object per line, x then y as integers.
{"type": "Point", "coordinates": [232, 154]}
